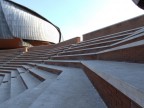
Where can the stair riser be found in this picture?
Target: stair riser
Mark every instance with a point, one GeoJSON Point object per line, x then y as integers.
{"type": "Point", "coordinates": [112, 97]}
{"type": "Point", "coordinates": [37, 76]}
{"type": "Point", "coordinates": [90, 46]}
{"type": "Point", "coordinates": [54, 71]}
{"type": "Point", "coordinates": [133, 54]}
{"type": "Point", "coordinates": [67, 64]}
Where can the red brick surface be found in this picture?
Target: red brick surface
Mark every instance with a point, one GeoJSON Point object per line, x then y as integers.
{"type": "Point", "coordinates": [133, 54]}
{"type": "Point", "coordinates": [68, 42]}
{"type": "Point", "coordinates": [122, 26]}
{"type": "Point", "coordinates": [112, 97]}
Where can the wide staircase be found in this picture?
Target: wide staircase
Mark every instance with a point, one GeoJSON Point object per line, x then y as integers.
{"type": "Point", "coordinates": [103, 72]}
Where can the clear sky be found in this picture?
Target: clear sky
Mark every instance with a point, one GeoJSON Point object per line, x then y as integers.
{"type": "Point", "coordinates": [77, 17]}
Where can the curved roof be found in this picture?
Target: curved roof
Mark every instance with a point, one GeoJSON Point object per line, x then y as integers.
{"type": "Point", "coordinates": [139, 3]}
{"type": "Point", "coordinates": [26, 24]}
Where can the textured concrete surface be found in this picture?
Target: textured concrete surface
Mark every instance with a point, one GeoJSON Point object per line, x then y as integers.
{"type": "Point", "coordinates": [30, 80]}
{"type": "Point", "coordinates": [126, 77]}
{"type": "Point", "coordinates": [42, 73]}
{"type": "Point", "coordinates": [71, 90]}
{"type": "Point", "coordinates": [17, 86]}
{"type": "Point", "coordinates": [25, 99]}
{"type": "Point", "coordinates": [1, 78]}
{"type": "Point", "coordinates": [4, 91]}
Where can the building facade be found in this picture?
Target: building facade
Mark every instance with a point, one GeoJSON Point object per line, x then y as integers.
{"type": "Point", "coordinates": [24, 26]}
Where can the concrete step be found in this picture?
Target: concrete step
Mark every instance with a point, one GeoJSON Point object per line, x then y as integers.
{"type": "Point", "coordinates": [27, 67]}
{"type": "Point", "coordinates": [1, 78]}
{"type": "Point", "coordinates": [29, 80]}
{"type": "Point", "coordinates": [30, 58]}
{"type": "Point", "coordinates": [106, 38]}
{"type": "Point", "coordinates": [40, 74]}
{"type": "Point", "coordinates": [25, 99]}
{"type": "Point", "coordinates": [91, 48]}
{"type": "Point", "coordinates": [27, 61]}
{"type": "Point", "coordinates": [15, 63]}
{"type": "Point", "coordinates": [127, 78]}
{"type": "Point", "coordinates": [7, 68]}
{"type": "Point", "coordinates": [85, 50]}
{"type": "Point", "coordinates": [47, 68]}
{"type": "Point", "coordinates": [72, 90]}
{"type": "Point", "coordinates": [17, 86]}
{"type": "Point", "coordinates": [12, 65]}
{"type": "Point", "coordinates": [130, 52]}
{"type": "Point", "coordinates": [93, 44]}
{"type": "Point", "coordinates": [5, 71]}
{"type": "Point", "coordinates": [47, 51]}
{"type": "Point", "coordinates": [66, 63]}
{"type": "Point", "coordinates": [132, 31]}
{"type": "Point", "coordinates": [4, 91]}
{"type": "Point", "coordinates": [14, 74]}
{"type": "Point", "coordinates": [118, 82]}
{"type": "Point", "coordinates": [7, 77]}
{"type": "Point", "coordinates": [50, 52]}
{"type": "Point", "coordinates": [21, 70]}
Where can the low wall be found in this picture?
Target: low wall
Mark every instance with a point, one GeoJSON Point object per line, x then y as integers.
{"type": "Point", "coordinates": [122, 26]}
{"type": "Point", "coordinates": [10, 43]}
{"type": "Point", "coordinates": [70, 41]}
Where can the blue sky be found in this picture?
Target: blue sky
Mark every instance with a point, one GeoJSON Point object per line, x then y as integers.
{"type": "Point", "coordinates": [77, 17]}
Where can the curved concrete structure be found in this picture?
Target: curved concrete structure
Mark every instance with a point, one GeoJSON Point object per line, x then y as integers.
{"type": "Point", "coordinates": [18, 21]}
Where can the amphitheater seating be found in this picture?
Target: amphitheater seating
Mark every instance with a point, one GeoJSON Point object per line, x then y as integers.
{"type": "Point", "coordinates": [103, 72]}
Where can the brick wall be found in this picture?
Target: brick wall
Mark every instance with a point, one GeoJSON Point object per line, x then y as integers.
{"type": "Point", "coordinates": [70, 41]}
{"type": "Point", "coordinates": [122, 26]}
{"type": "Point", "coordinates": [111, 96]}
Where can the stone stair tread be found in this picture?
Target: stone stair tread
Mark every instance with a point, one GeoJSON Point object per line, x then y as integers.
{"type": "Point", "coordinates": [131, 31]}
{"type": "Point", "coordinates": [29, 80]}
{"type": "Point", "coordinates": [17, 86]}
{"type": "Point", "coordinates": [85, 50]}
{"type": "Point", "coordinates": [71, 90]}
{"type": "Point", "coordinates": [48, 69]}
{"type": "Point", "coordinates": [25, 99]}
{"type": "Point", "coordinates": [27, 66]}
{"type": "Point", "coordinates": [7, 77]}
{"type": "Point", "coordinates": [94, 44]}
{"type": "Point", "coordinates": [4, 92]}
{"type": "Point", "coordinates": [42, 73]}
{"type": "Point", "coordinates": [130, 73]}
{"type": "Point", "coordinates": [117, 36]}
{"type": "Point", "coordinates": [126, 77]}
{"type": "Point", "coordinates": [1, 78]}
{"type": "Point", "coordinates": [21, 70]}
{"type": "Point", "coordinates": [14, 74]}
{"type": "Point", "coordinates": [7, 68]}
{"type": "Point", "coordinates": [19, 60]}
{"type": "Point", "coordinates": [82, 56]}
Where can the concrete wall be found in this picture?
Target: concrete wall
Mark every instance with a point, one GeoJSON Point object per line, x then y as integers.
{"type": "Point", "coordinates": [122, 26]}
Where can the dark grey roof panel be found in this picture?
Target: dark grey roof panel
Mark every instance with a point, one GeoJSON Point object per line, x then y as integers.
{"type": "Point", "coordinates": [4, 29]}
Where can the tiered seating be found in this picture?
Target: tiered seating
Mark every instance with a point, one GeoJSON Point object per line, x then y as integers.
{"type": "Point", "coordinates": [88, 74]}
{"type": "Point", "coordinates": [8, 55]}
